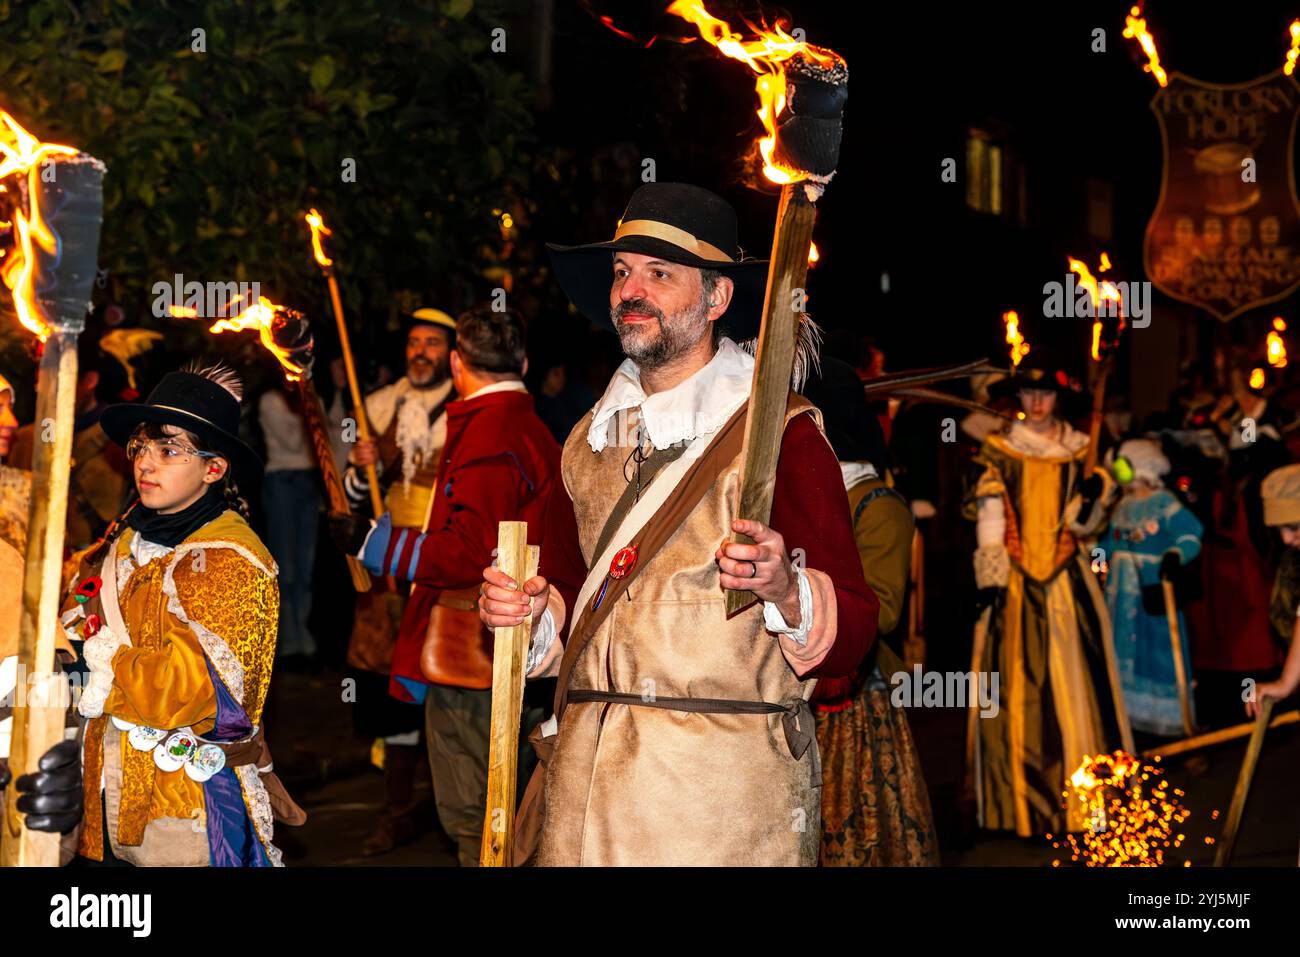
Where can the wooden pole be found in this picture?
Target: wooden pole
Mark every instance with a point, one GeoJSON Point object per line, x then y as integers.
{"type": "Point", "coordinates": [39, 719]}
{"type": "Point", "coordinates": [1176, 639]}
{"type": "Point", "coordinates": [1098, 413]}
{"type": "Point", "coordinates": [519, 560]}
{"type": "Point", "coordinates": [314, 416]}
{"type": "Point", "coordinates": [783, 307]}
{"type": "Point", "coordinates": [1222, 736]}
{"type": "Point", "coordinates": [358, 405]}
{"type": "Point", "coordinates": [1240, 793]}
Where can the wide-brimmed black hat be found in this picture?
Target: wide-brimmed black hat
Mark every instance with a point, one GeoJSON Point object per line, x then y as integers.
{"type": "Point", "coordinates": [1039, 369]}
{"type": "Point", "coordinates": [850, 423]}
{"type": "Point", "coordinates": [196, 404]}
{"type": "Point", "coordinates": [679, 223]}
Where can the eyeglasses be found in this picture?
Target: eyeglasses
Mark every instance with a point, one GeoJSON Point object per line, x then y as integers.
{"type": "Point", "coordinates": [164, 451]}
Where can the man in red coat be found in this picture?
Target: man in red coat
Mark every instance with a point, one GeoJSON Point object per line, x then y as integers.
{"type": "Point", "coordinates": [499, 464]}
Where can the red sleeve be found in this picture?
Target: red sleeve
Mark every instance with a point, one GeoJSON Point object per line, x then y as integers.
{"type": "Point", "coordinates": [484, 492]}
{"type": "Point", "coordinates": [810, 508]}
{"type": "Point", "coordinates": [562, 564]}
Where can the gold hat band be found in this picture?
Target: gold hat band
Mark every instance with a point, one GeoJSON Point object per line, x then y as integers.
{"type": "Point", "coordinates": [671, 234]}
{"type": "Point", "coordinates": [172, 408]}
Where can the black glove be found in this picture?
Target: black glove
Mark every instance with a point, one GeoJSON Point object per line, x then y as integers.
{"type": "Point", "coordinates": [348, 531]}
{"type": "Point", "coordinates": [1091, 487]}
{"type": "Point", "coordinates": [984, 597]}
{"type": "Point", "coordinates": [1169, 565]}
{"type": "Point", "coordinates": [52, 797]}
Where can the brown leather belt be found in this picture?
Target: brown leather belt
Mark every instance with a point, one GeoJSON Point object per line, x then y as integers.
{"type": "Point", "coordinates": [796, 719]}
{"type": "Point", "coordinates": [253, 750]}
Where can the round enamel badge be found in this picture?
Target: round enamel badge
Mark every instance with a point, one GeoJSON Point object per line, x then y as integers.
{"type": "Point", "coordinates": [623, 561]}
{"type": "Point", "coordinates": [207, 761]}
{"type": "Point", "coordinates": [177, 750]}
{"type": "Point", "coordinates": [144, 738]}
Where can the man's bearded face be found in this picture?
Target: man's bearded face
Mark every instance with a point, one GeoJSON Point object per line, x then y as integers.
{"type": "Point", "coordinates": [428, 356]}
{"type": "Point", "coordinates": [658, 308]}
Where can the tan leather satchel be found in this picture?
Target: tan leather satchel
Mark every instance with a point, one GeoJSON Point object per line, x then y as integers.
{"type": "Point", "coordinates": [457, 647]}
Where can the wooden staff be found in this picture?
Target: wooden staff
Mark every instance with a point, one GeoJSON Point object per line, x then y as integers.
{"type": "Point", "coordinates": [359, 408]}
{"type": "Point", "coordinates": [1223, 853]}
{"type": "Point", "coordinates": [38, 721]}
{"type": "Point", "coordinates": [313, 413]}
{"type": "Point", "coordinates": [1098, 413]}
{"type": "Point", "coordinates": [773, 363]}
{"type": "Point", "coordinates": [65, 282]}
{"type": "Point", "coordinates": [1222, 736]}
{"type": "Point", "coordinates": [519, 560]}
{"type": "Point", "coordinates": [1176, 639]}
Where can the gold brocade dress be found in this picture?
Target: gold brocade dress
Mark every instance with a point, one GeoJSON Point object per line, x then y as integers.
{"type": "Point", "coordinates": [1047, 638]}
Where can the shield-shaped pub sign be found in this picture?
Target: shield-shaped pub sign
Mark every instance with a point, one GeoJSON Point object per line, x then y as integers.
{"type": "Point", "coordinates": [1225, 234]}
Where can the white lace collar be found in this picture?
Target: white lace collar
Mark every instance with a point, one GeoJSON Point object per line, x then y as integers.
{"type": "Point", "coordinates": [144, 552]}
{"type": "Point", "coordinates": [696, 406]}
{"type": "Point", "coordinates": [1028, 442]}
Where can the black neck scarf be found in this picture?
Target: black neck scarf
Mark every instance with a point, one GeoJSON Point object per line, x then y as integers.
{"type": "Point", "coordinates": [171, 530]}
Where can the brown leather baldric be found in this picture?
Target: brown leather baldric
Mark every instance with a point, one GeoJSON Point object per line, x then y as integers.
{"type": "Point", "coordinates": [697, 481]}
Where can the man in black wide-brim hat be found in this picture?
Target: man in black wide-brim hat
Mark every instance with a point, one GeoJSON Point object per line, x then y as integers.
{"type": "Point", "coordinates": [682, 736]}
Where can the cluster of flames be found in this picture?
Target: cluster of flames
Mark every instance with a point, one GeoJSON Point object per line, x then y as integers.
{"type": "Point", "coordinates": [1132, 817]}
{"type": "Point", "coordinates": [21, 152]}
{"type": "Point", "coordinates": [1098, 292]}
{"type": "Point", "coordinates": [1019, 347]}
{"type": "Point", "coordinates": [1135, 28]}
{"type": "Point", "coordinates": [258, 315]}
{"type": "Point", "coordinates": [318, 230]}
{"type": "Point", "coordinates": [1274, 352]}
{"type": "Point", "coordinates": [765, 55]}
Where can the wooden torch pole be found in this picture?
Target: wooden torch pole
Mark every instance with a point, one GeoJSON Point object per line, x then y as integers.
{"type": "Point", "coordinates": [1176, 639]}
{"type": "Point", "coordinates": [38, 722]}
{"type": "Point", "coordinates": [783, 307]}
{"type": "Point", "coordinates": [314, 416]}
{"type": "Point", "coordinates": [1223, 853]}
{"type": "Point", "coordinates": [359, 408]}
{"type": "Point", "coordinates": [64, 283]}
{"type": "Point", "coordinates": [517, 559]}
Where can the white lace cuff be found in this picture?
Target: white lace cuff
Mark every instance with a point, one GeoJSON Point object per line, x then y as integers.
{"type": "Point", "coordinates": [98, 654]}
{"type": "Point", "coordinates": [775, 621]}
{"type": "Point", "coordinates": [543, 639]}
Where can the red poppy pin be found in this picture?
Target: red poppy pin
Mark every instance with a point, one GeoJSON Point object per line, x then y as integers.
{"type": "Point", "coordinates": [88, 589]}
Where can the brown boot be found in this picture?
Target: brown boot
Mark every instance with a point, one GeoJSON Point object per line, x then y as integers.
{"type": "Point", "coordinates": [397, 826]}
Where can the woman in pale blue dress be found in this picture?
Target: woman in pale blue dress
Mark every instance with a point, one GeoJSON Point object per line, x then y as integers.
{"type": "Point", "coordinates": [1149, 530]}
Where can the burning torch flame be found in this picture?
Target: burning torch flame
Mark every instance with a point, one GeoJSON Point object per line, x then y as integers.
{"type": "Point", "coordinates": [20, 152]}
{"type": "Point", "coordinates": [260, 316]}
{"type": "Point", "coordinates": [813, 254]}
{"type": "Point", "coordinates": [1019, 347]}
{"type": "Point", "coordinates": [1277, 345]}
{"type": "Point", "coordinates": [318, 229]}
{"type": "Point", "coordinates": [1294, 52]}
{"type": "Point", "coordinates": [1098, 293]}
{"type": "Point", "coordinates": [1135, 28]}
{"type": "Point", "coordinates": [1257, 378]}
{"type": "Point", "coordinates": [764, 56]}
